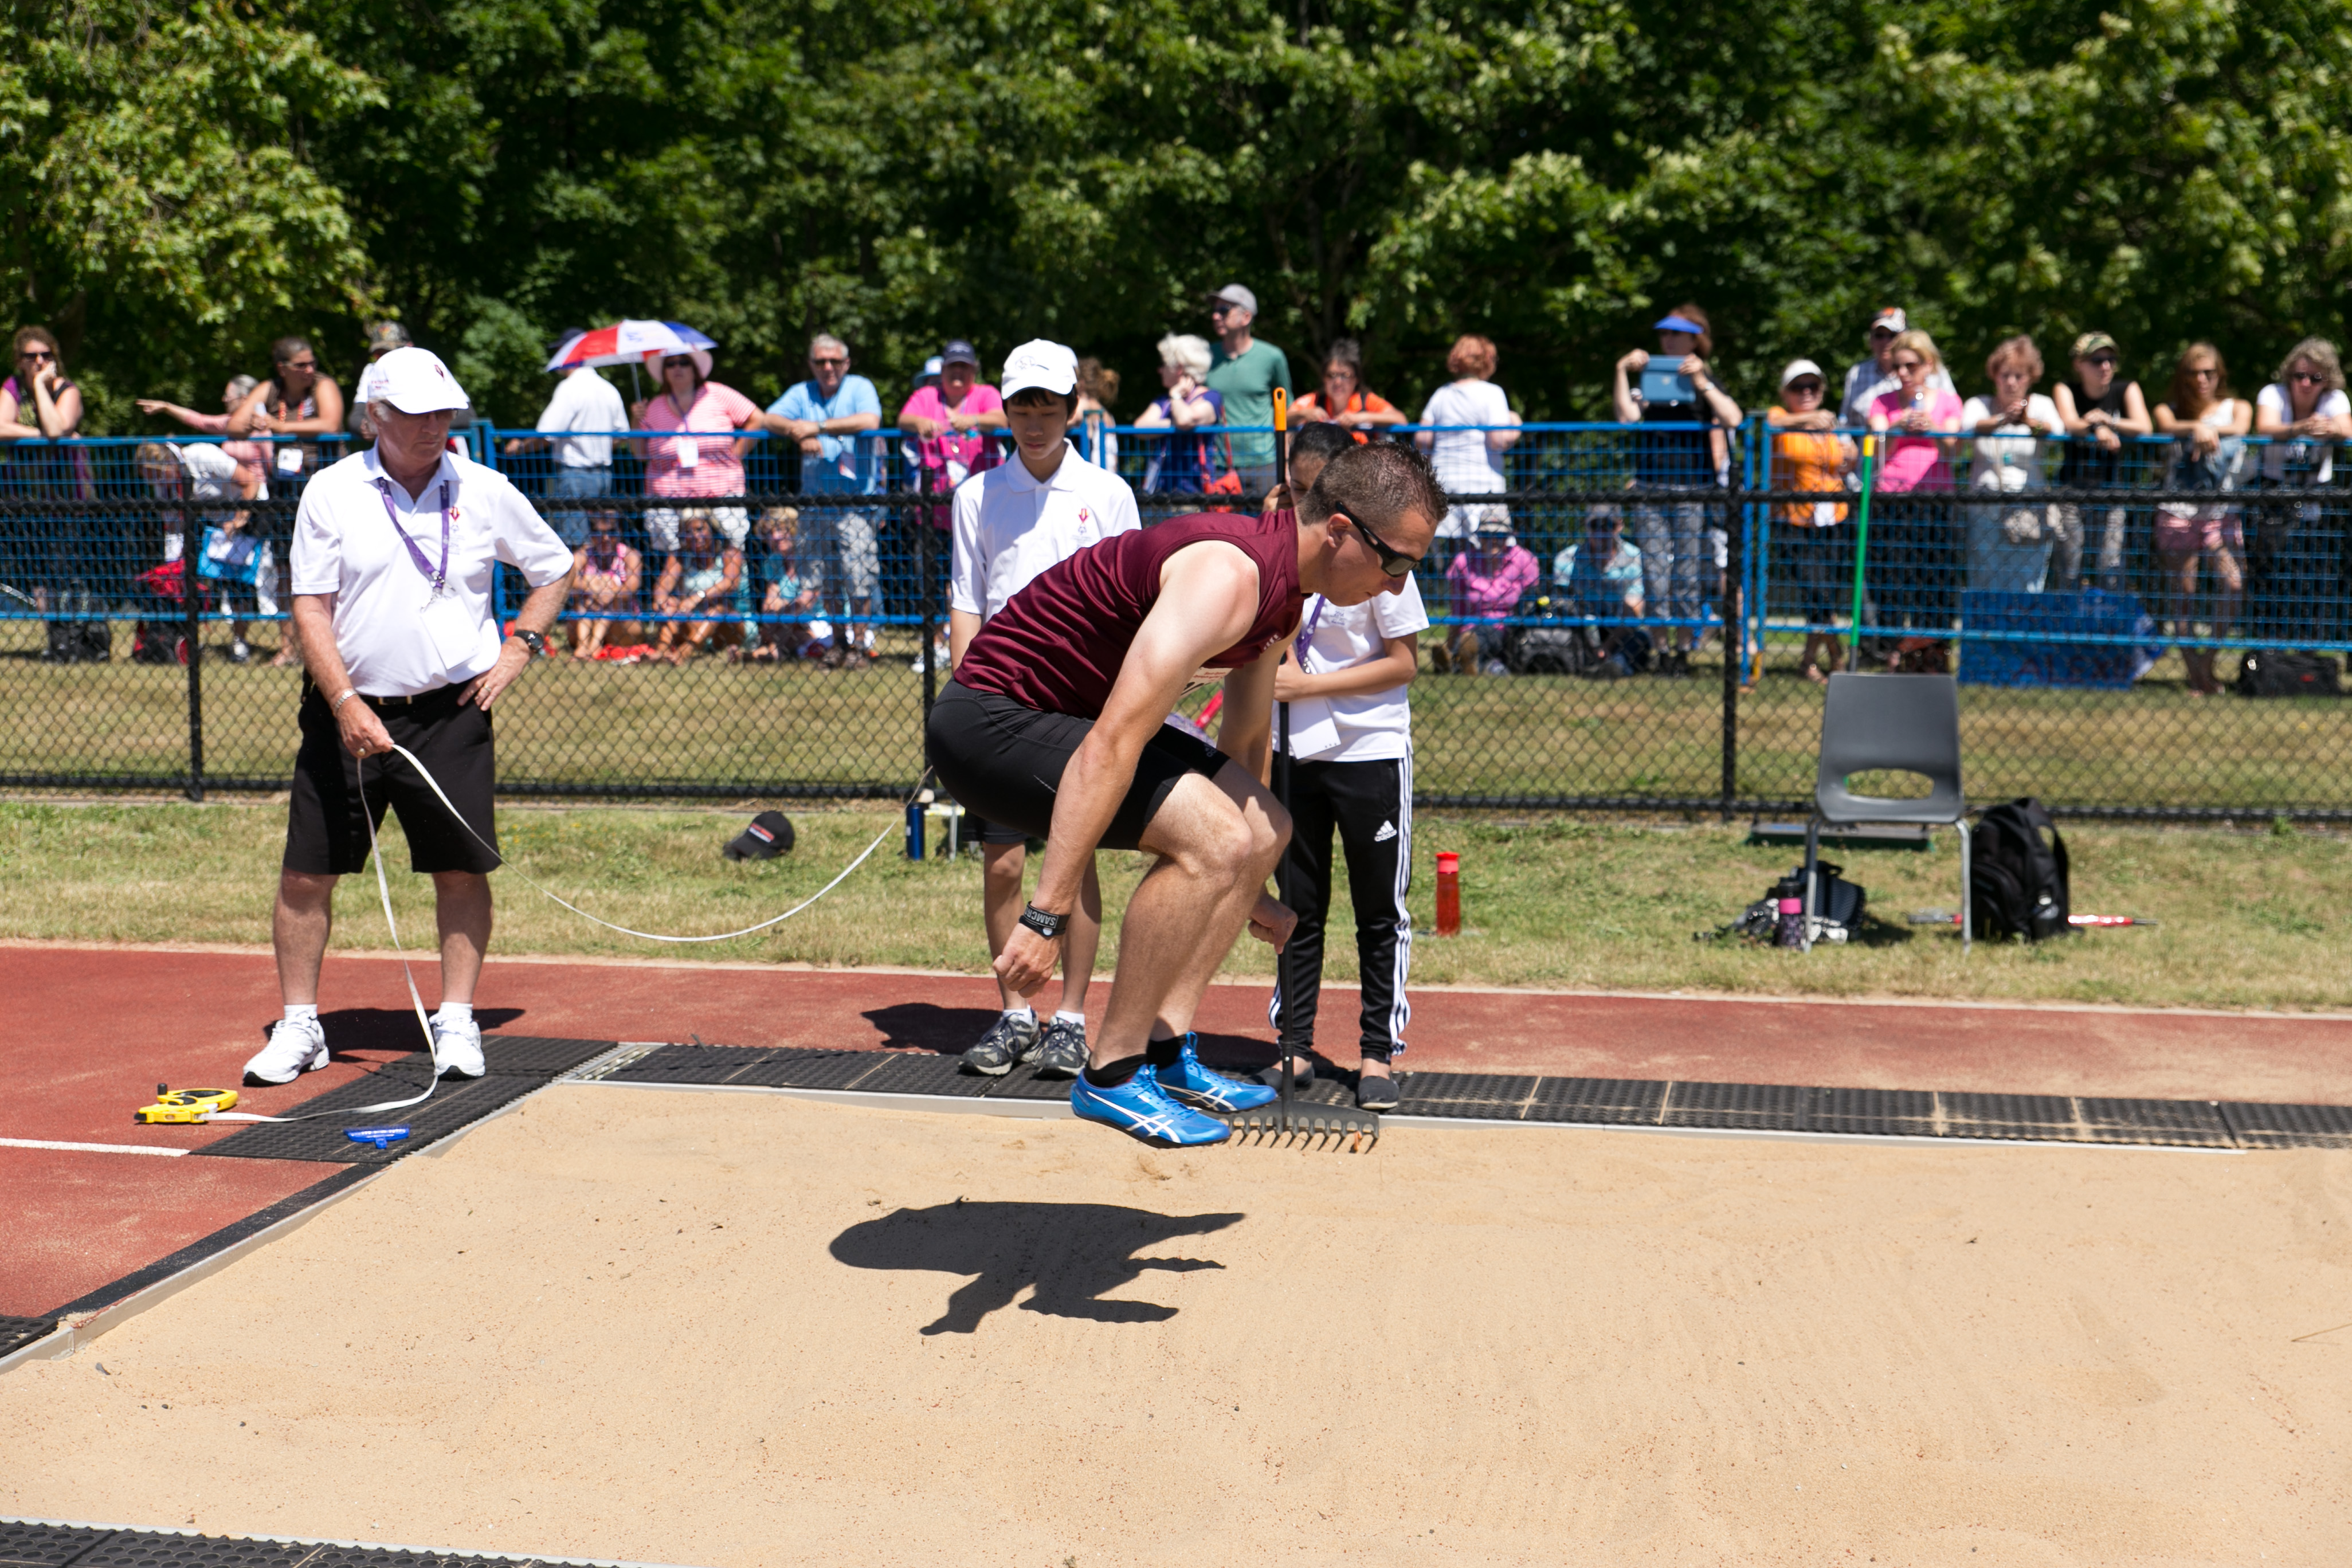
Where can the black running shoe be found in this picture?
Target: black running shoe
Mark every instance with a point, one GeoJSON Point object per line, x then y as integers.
{"type": "Point", "coordinates": [1007, 1040]}
{"type": "Point", "coordinates": [1061, 1050]}
{"type": "Point", "coordinates": [1376, 1091]}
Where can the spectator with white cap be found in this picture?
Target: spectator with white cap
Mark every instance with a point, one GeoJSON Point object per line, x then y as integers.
{"type": "Point", "coordinates": [1244, 373]}
{"type": "Point", "coordinates": [1874, 378]}
{"type": "Point", "coordinates": [584, 401]}
{"type": "Point", "coordinates": [1010, 524]}
{"type": "Point", "coordinates": [396, 549]}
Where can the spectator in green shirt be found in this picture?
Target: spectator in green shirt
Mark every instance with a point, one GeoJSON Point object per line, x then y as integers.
{"type": "Point", "coordinates": [1244, 373]}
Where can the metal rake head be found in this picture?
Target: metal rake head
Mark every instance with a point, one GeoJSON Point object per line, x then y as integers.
{"type": "Point", "coordinates": [1336, 1129]}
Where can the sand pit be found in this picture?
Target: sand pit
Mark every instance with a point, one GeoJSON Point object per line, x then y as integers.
{"type": "Point", "coordinates": [735, 1330]}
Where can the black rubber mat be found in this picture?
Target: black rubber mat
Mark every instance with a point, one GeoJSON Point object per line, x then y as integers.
{"type": "Point", "coordinates": [1882, 1112]}
{"type": "Point", "coordinates": [1750, 1107]}
{"type": "Point", "coordinates": [44, 1545]}
{"type": "Point", "coordinates": [2253, 1126]}
{"type": "Point", "coordinates": [531, 1056]}
{"type": "Point", "coordinates": [1500, 1096]}
{"type": "Point", "coordinates": [2044, 1115]}
{"type": "Point", "coordinates": [456, 1103]}
{"type": "Point", "coordinates": [2191, 1123]}
{"type": "Point", "coordinates": [798, 1067]}
{"type": "Point", "coordinates": [1608, 1101]}
{"type": "Point", "coordinates": [1486, 1097]}
{"type": "Point", "coordinates": [919, 1072]}
{"type": "Point", "coordinates": [26, 1545]}
{"type": "Point", "coordinates": [691, 1064]}
{"type": "Point", "coordinates": [15, 1333]}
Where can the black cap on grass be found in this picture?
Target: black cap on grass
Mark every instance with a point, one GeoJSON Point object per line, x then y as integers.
{"type": "Point", "coordinates": [768, 836]}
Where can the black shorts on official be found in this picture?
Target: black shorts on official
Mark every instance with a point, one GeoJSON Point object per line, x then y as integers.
{"type": "Point", "coordinates": [1003, 762]}
{"type": "Point", "coordinates": [326, 833]}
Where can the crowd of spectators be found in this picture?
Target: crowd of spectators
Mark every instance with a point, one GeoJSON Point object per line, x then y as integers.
{"type": "Point", "coordinates": [1959, 483]}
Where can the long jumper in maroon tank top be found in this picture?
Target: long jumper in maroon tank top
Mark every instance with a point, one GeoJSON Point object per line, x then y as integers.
{"type": "Point", "coordinates": [1057, 645]}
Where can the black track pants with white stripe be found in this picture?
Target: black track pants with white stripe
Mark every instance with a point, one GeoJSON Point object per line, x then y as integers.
{"type": "Point", "coordinates": [1370, 806]}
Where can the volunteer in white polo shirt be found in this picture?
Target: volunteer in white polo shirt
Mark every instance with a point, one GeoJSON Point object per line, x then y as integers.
{"type": "Point", "coordinates": [1351, 769]}
{"type": "Point", "coordinates": [1010, 523]}
{"type": "Point", "coordinates": [395, 550]}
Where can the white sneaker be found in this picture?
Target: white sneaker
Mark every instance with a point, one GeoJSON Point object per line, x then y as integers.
{"type": "Point", "coordinates": [457, 1048]}
{"type": "Point", "coordinates": [295, 1048]}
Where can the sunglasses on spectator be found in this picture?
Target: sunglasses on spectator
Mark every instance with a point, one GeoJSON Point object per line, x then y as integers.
{"type": "Point", "coordinates": [1396, 563]}
{"type": "Point", "coordinates": [1222, 307]}
{"type": "Point", "coordinates": [1807, 384]}
{"type": "Point", "coordinates": [828, 359]}
{"type": "Point", "coordinates": [1884, 333]}
{"type": "Point", "coordinates": [2105, 362]}
{"type": "Point", "coordinates": [2306, 378]}
{"type": "Point", "coordinates": [1910, 365]}
{"type": "Point", "coordinates": [36, 354]}
{"type": "Point", "coordinates": [678, 360]}
{"type": "Point", "coordinates": [2205, 372]}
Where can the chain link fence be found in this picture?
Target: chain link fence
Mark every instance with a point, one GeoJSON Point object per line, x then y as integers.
{"type": "Point", "coordinates": [2101, 617]}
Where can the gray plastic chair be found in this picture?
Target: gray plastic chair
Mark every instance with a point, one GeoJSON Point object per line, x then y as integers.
{"type": "Point", "coordinates": [1909, 723]}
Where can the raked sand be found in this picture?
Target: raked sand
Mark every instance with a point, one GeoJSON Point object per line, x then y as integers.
{"type": "Point", "coordinates": [734, 1330]}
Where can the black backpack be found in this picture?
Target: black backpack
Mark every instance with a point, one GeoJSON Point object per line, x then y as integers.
{"type": "Point", "coordinates": [2273, 672]}
{"type": "Point", "coordinates": [81, 634]}
{"type": "Point", "coordinates": [2017, 873]}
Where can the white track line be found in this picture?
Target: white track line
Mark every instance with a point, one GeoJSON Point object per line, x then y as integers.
{"type": "Point", "coordinates": [91, 1148]}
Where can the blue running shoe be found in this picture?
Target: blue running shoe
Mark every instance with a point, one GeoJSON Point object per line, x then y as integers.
{"type": "Point", "coordinates": [1202, 1089]}
{"type": "Point", "coordinates": [1140, 1109]}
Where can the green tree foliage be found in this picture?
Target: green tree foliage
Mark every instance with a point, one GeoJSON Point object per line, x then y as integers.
{"type": "Point", "coordinates": [167, 217]}
{"type": "Point", "coordinates": [1552, 173]}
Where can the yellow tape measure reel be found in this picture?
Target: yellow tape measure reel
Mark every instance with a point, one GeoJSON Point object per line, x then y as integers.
{"type": "Point", "coordinates": [185, 1104]}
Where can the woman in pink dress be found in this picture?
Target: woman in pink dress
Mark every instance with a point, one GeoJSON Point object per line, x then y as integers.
{"type": "Point", "coordinates": [709, 462]}
{"type": "Point", "coordinates": [1913, 562]}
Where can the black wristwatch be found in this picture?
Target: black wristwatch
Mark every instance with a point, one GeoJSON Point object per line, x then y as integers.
{"type": "Point", "coordinates": [531, 640]}
{"type": "Point", "coordinates": [1050, 927]}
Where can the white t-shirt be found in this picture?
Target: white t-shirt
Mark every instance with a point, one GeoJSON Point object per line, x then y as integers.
{"type": "Point", "coordinates": [397, 639]}
{"type": "Point", "coordinates": [1009, 526]}
{"type": "Point", "coordinates": [1465, 464]}
{"type": "Point", "coordinates": [2010, 459]}
{"type": "Point", "coordinates": [584, 401]}
{"type": "Point", "coordinates": [2272, 400]}
{"type": "Point", "coordinates": [1371, 725]}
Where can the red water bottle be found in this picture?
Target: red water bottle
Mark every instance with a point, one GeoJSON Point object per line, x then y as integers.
{"type": "Point", "coordinates": [1449, 894]}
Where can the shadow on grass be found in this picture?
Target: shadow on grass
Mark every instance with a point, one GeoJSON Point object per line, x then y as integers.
{"type": "Point", "coordinates": [1072, 1253]}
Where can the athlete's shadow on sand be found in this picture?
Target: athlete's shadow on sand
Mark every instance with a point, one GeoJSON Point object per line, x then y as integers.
{"type": "Point", "coordinates": [1072, 1253]}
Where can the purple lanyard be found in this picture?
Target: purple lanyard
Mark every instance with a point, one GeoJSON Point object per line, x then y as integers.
{"type": "Point", "coordinates": [439, 579]}
{"type": "Point", "coordinates": [1307, 636]}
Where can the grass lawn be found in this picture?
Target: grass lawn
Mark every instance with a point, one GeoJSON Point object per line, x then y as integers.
{"type": "Point", "coordinates": [766, 730]}
{"type": "Point", "coordinates": [2249, 919]}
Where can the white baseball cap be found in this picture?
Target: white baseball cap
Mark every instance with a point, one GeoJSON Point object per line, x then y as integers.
{"type": "Point", "coordinates": [1041, 363]}
{"type": "Point", "coordinates": [1798, 367]}
{"type": "Point", "coordinates": [414, 380]}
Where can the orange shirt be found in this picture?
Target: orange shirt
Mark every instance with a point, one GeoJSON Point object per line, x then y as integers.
{"type": "Point", "coordinates": [1807, 461]}
{"type": "Point", "coordinates": [1361, 403]}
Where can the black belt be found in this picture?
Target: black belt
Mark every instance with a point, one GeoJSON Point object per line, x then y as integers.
{"type": "Point", "coordinates": [373, 701]}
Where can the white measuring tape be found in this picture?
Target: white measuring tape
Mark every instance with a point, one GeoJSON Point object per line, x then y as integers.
{"type": "Point", "coordinates": [416, 1001]}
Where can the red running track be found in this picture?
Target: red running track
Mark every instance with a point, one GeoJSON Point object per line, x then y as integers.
{"type": "Point", "coordinates": [96, 1029]}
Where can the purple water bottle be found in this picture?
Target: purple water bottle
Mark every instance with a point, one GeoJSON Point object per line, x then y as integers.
{"type": "Point", "coordinates": [1788, 931]}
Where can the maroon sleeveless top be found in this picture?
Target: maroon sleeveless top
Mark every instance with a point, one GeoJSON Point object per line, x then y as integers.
{"type": "Point", "coordinates": [1057, 645]}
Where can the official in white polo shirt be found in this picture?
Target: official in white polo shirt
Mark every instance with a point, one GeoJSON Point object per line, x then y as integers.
{"type": "Point", "coordinates": [1352, 770]}
{"type": "Point", "coordinates": [395, 550]}
{"type": "Point", "coordinates": [1010, 523]}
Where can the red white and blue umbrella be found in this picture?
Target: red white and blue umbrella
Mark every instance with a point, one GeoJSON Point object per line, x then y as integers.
{"type": "Point", "coordinates": [628, 342]}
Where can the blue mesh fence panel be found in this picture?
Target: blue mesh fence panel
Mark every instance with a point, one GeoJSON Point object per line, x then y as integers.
{"type": "Point", "coordinates": [1579, 591]}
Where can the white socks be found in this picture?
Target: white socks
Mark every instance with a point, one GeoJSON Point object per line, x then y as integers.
{"type": "Point", "coordinates": [454, 1013]}
{"type": "Point", "coordinates": [1024, 1014]}
{"type": "Point", "coordinates": [1064, 1015]}
{"type": "Point", "coordinates": [304, 1013]}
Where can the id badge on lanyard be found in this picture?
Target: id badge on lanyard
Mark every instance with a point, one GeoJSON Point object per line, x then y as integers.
{"type": "Point", "coordinates": [690, 451]}
{"type": "Point", "coordinates": [452, 632]}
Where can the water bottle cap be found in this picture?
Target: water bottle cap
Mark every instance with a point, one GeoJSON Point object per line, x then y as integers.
{"type": "Point", "coordinates": [1792, 906]}
{"type": "Point", "coordinates": [1447, 860]}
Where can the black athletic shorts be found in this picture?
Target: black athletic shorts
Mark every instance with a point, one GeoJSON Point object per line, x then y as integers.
{"type": "Point", "coordinates": [1003, 762]}
{"type": "Point", "coordinates": [325, 834]}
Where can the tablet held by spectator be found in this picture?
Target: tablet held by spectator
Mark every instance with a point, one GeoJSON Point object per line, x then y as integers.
{"type": "Point", "coordinates": [1675, 386]}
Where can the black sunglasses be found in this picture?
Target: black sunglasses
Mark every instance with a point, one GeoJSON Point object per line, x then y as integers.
{"type": "Point", "coordinates": [1396, 563]}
